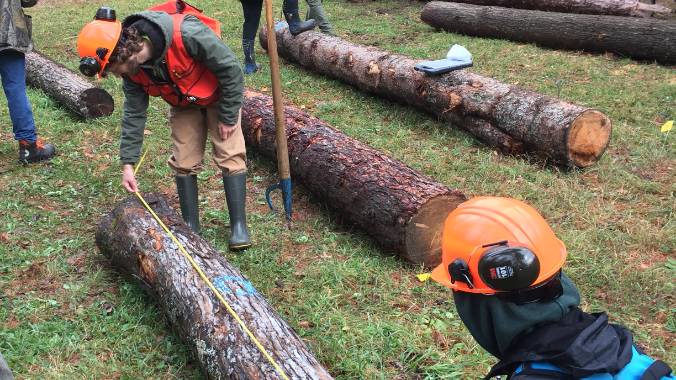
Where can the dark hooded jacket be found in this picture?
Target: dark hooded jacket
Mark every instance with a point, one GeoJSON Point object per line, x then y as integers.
{"type": "Point", "coordinates": [557, 332]}
{"type": "Point", "coordinates": [15, 26]}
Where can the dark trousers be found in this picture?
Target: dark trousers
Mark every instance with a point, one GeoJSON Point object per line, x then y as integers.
{"type": "Point", "coordinates": [252, 16]}
{"type": "Point", "coordinates": [13, 73]}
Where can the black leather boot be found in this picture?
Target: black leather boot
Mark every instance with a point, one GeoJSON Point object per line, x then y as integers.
{"type": "Point", "coordinates": [296, 26]}
{"type": "Point", "coordinates": [36, 151]}
{"type": "Point", "coordinates": [235, 196]}
{"type": "Point", "coordinates": [186, 187]}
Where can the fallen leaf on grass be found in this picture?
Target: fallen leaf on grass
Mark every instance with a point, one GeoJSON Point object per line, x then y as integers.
{"type": "Point", "coordinates": [306, 324]}
{"type": "Point", "coordinates": [440, 339]}
{"type": "Point", "coordinates": [107, 307]}
{"type": "Point", "coordinates": [4, 237]}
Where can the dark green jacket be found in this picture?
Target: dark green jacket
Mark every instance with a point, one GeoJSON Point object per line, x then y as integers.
{"type": "Point", "coordinates": [15, 26]}
{"type": "Point", "coordinates": [495, 323]}
{"type": "Point", "coordinates": [205, 47]}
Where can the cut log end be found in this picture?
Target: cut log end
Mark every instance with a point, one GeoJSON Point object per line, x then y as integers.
{"type": "Point", "coordinates": [423, 233]}
{"type": "Point", "coordinates": [98, 102]}
{"type": "Point", "coordinates": [588, 138]}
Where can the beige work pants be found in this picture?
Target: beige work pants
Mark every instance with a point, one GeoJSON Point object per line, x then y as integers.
{"type": "Point", "coordinates": [189, 129]}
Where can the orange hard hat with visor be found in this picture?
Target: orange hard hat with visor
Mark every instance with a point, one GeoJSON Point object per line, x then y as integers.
{"type": "Point", "coordinates": [97, 41]}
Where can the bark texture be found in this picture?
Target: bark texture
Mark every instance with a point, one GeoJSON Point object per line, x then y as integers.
{"type": "Point", "coordinates": [66, 87]}
{"type": "Point", "coordinates": [642, 39]}
{"type": "Point", "coordinates": [139, 248]}
{"type": "Point", "coordinates": [509, 118]}
{"type": "Point", "coordinates": [400, 208]}
{"type": "Point", "coordinates": [631, 8]}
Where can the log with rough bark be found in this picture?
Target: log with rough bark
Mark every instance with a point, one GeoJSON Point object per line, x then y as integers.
{"type": "Point", "coordinates": [400, 208]}
{"type": "Point", "coordinates": [631, 8]}
{"type": "Point", "coordinates": [138, 247]}
{"type": "Point", "coordinates": [66, 87]}
{"type": "Point", "coordinates": [642, 39]}
{"type": "Point", "coordinates": [509, 118]}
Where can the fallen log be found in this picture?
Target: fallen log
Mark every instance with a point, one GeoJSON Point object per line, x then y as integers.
{"type": "Point", "coordinates": [138, 247]}
{"type": "Point", "coordinates": [508, 118]}
{"type": "Point", "coordinates": [400, 208]}
{"type": "Point", "coordinates": [66, 87]}
{"type": "Point", "coordinates": [629, 8]}
{"type": "Point", "coordinates": [642, 39]}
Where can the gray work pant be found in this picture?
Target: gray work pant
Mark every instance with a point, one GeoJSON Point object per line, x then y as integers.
{"type": "Point", "coordinates": [316, 11]}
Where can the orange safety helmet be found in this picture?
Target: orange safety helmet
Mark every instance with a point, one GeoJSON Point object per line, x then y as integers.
{"type": "Point", "coordinates": [500, 246]}
{"type": "Point", "coordinates": [97, 41]}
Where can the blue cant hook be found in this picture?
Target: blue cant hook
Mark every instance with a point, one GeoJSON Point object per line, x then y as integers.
{"type": "Point", "coordinates": [284, 185]}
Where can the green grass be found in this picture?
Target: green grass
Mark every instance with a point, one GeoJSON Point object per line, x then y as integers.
{"type": "Point", "coordinates": [363, 312]}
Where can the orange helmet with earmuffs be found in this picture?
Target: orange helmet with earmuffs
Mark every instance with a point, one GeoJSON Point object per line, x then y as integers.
{"type": "Point", "coordinates": [97, 41]}
{"type": "Point", "coordinates": [500, 246]}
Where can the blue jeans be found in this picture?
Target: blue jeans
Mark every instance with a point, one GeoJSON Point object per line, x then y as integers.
{"type": "Point", "coordinates": [13, 73]}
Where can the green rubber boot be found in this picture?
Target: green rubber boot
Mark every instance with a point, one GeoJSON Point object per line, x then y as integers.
{"type": "Point", "coordinates": [235, 196]}
{"type": "Point", "coordinates": [296, 26]}
{"type": "Point", "coordinates": [186, 187]}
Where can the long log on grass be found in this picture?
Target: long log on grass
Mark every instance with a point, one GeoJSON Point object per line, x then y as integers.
{"type": "Point", "coordinates": [642, 39]}
{"type": "Point", "coordinates": [403, 210]}
{"type": "Point", "coordinates": [67, 88]}
{"type": "Point", "coordinates": [138, 247]}
{"type": "Point", "coordinates": [630, 8]}
{"type": "Point", "coordinates": [505, 117]}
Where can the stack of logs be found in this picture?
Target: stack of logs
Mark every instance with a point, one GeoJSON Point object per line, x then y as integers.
{"type": "Point", "coordinates": [623, 27]}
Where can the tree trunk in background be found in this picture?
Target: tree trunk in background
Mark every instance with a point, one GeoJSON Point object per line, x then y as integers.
{"type": "Point", "coordinates": [643, 39]}
{"type": "Point", "coordinates": [139, 248]}
{"type": "Point", "coordinates": [67, 88]}
{"type": "Point", "coordinates": [508, 118]}
{"type": "Point", "coordinates": [632, 8]}
{"type": "Point", "coordinates": [400, 208]}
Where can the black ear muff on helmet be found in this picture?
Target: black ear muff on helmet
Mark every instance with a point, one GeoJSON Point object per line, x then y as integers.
{"type": "Point", "coordinates": [506, 268]}
{"type": "Point", "coordinates": [90, 66]}
{"type": "Point", "coordinates": [511, 271]}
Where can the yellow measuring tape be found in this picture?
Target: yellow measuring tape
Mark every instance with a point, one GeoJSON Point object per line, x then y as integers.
{"type": "Point", "coordinates": [207, 281]}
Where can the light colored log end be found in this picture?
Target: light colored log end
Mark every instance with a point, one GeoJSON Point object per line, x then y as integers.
{"type": "Point", "coordinates": [647, 10]}
{"type": "Point", "coordinates": [423, 233]}
{"type": "Point", "coordinates": [588, 138]}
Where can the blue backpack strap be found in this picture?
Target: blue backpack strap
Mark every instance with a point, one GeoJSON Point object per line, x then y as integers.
{"type": "Point", "coordinates": [656, 371]}
{"type": "Point", "coordinates": [539, 371]}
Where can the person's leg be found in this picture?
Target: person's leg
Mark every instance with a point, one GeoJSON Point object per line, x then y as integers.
{"type": "Point", "coordinates": [296, 26]}
{"type": "Point", "coordinates": [252, 16]}
{"type": "Point", "coordinates": [316, 11]}
{"type": "Point", "coordinates": [5, 373]}
{"type": "Point", "coordinates": [188, 133]}
{"type": "Point", "coordinates": [13, 73]}
{"type": "Point", "coordinates": [230, 156]}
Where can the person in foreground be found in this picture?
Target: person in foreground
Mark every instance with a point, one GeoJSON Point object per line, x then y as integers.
{"type": "Point", "coordinates": [504, 265]}
{"type": "Point", "coordinates": [176, 56]}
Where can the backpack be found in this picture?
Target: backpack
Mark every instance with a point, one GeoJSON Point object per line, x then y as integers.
{"type": "Point", "coordinates": [180, 6]}
{"type": "Point", "coordinates": [641, 367]}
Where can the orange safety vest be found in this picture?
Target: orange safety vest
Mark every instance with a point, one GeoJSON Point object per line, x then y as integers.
{"type": "Point", "coordinates": [190, 82]}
